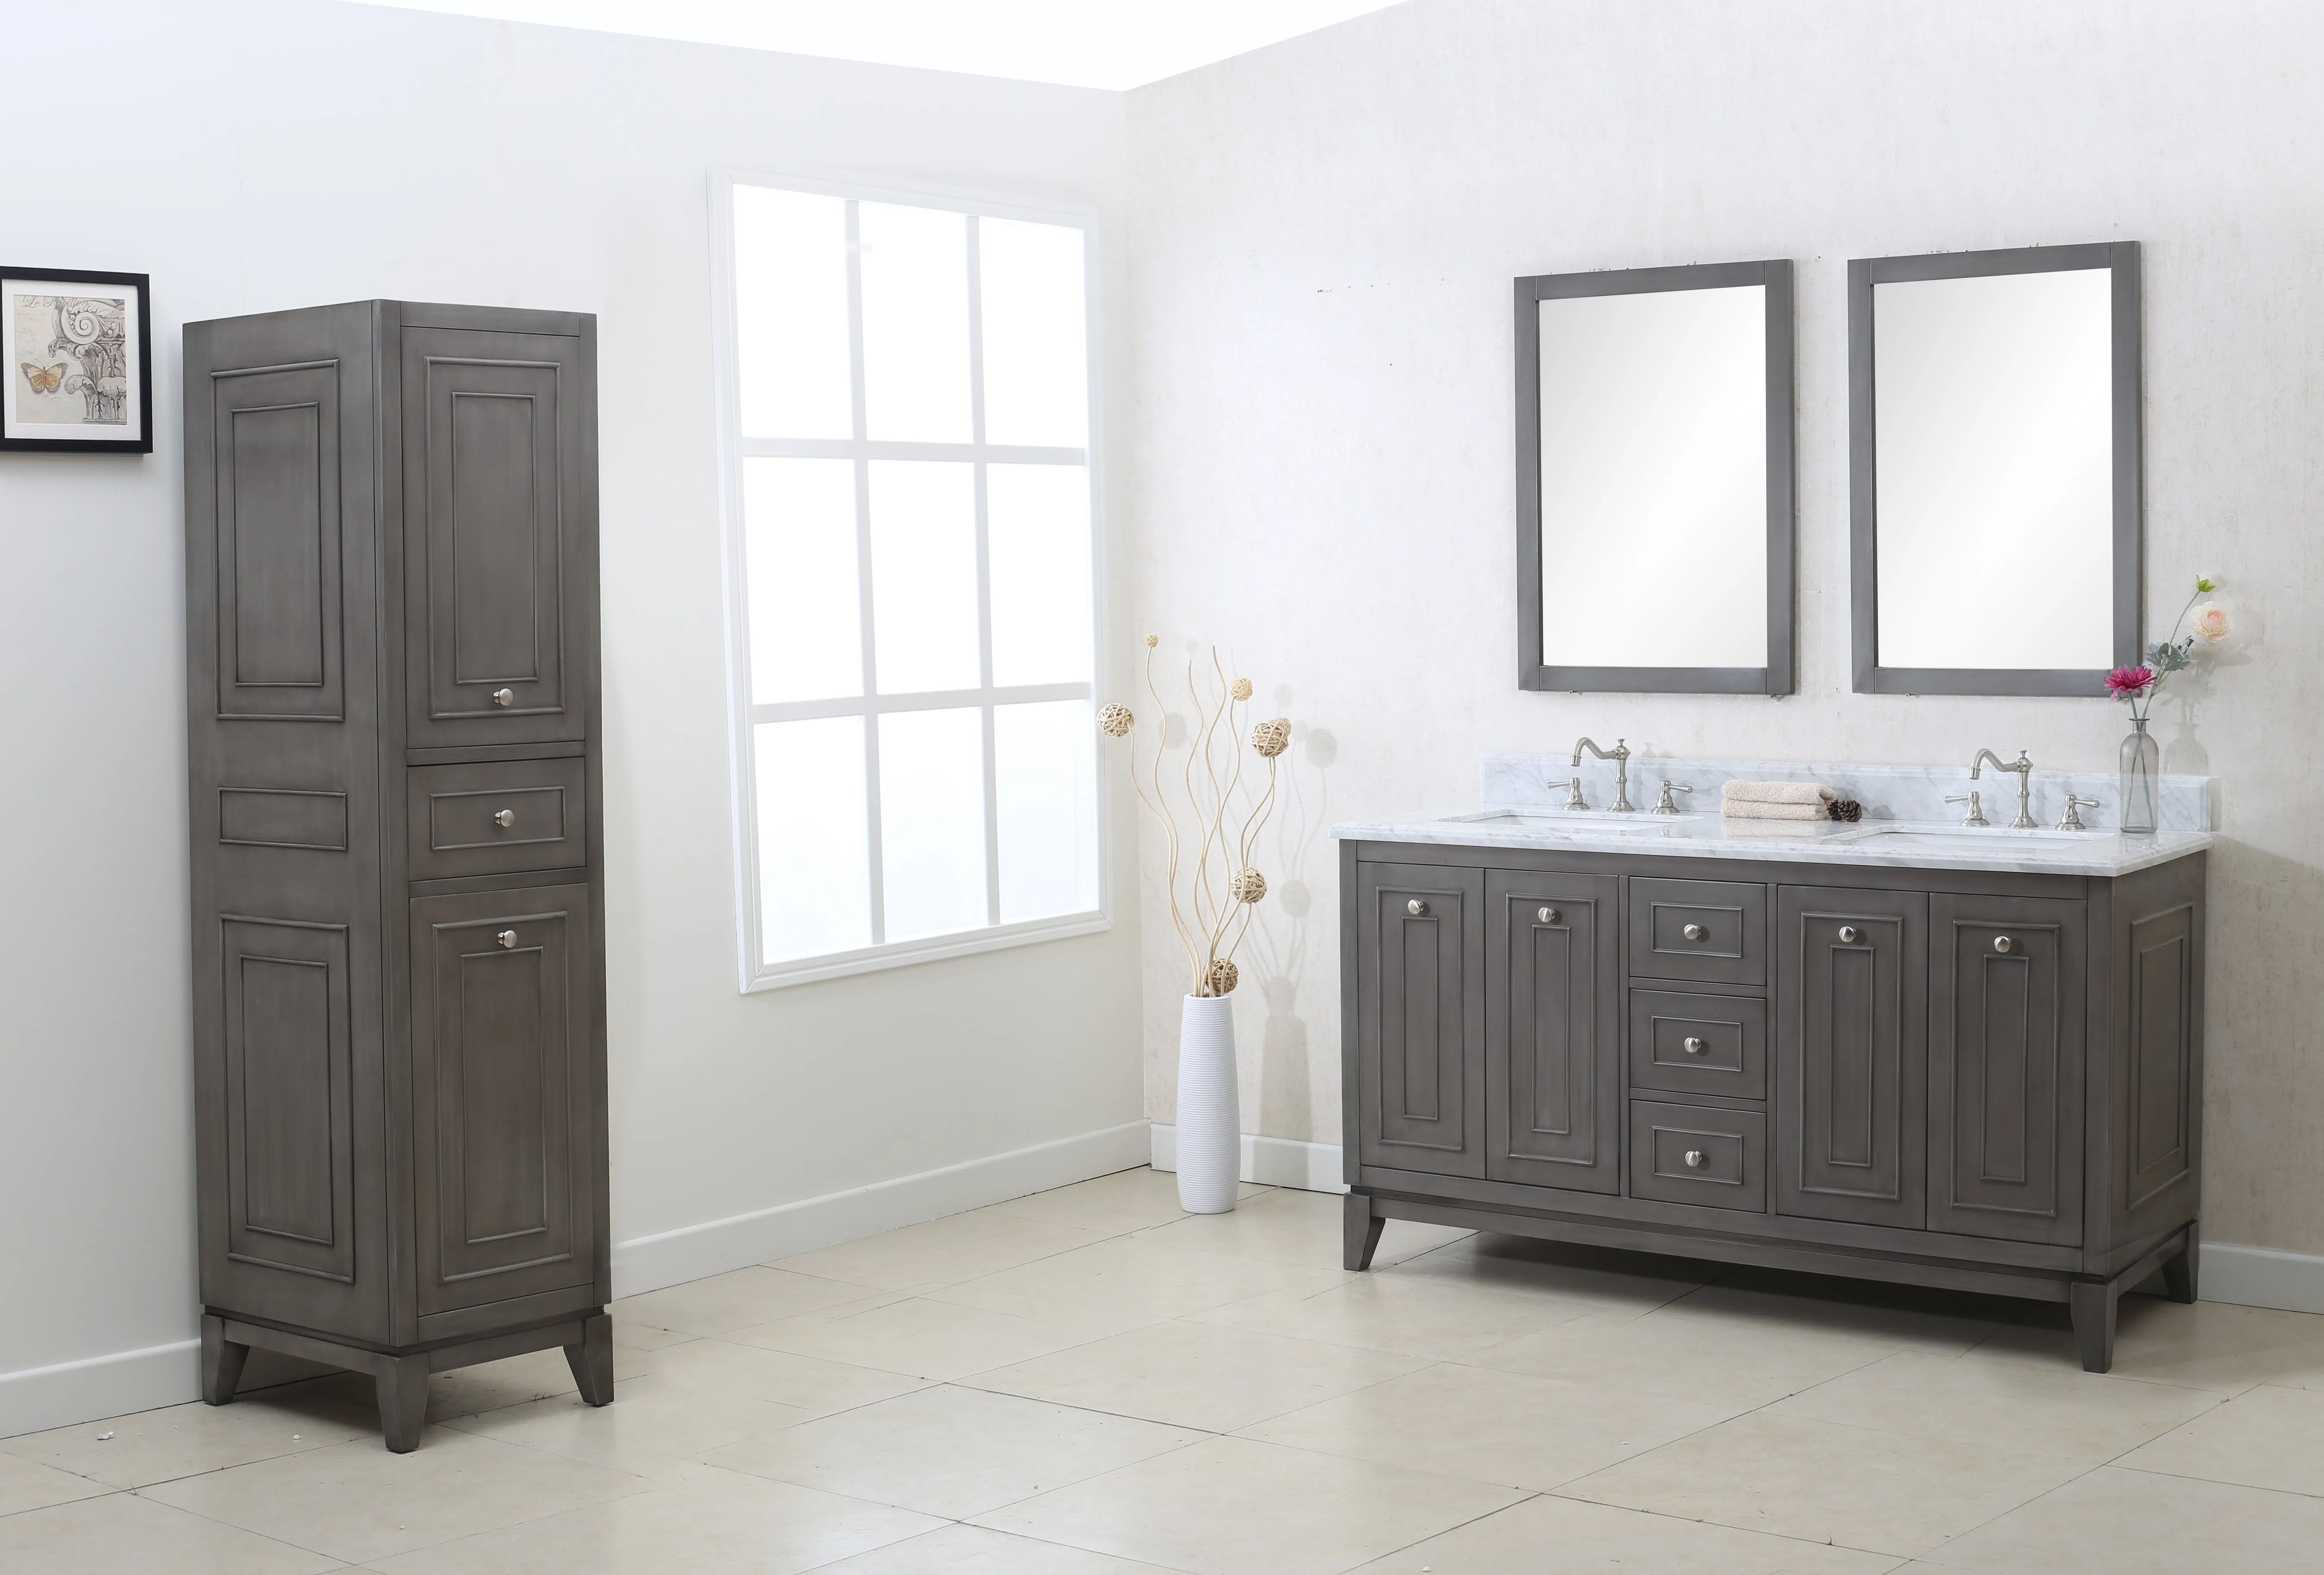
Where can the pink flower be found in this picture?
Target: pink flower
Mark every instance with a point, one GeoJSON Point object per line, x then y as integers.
{"type": "Point", "coordinates": [2126, 683]}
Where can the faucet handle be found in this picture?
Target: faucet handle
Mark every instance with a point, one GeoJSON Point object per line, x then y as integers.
{"type": "Point", "coordinates": [2071, 820]}
{"type": "Point", "coordinates": [1666, 804]}
{"type": "Point", "coordinates": [1573, 799]}
{"type": "Point", "coordinates": [1976, 815]}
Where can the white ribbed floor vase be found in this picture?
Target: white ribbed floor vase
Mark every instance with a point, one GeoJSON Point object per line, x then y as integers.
{"type": "Point", "coordinates": [1210, 1119]}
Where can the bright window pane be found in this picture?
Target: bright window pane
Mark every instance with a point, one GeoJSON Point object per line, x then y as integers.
{"type": "Point", "coordinates": [806, 631]}
{"type": "Point", "coordinates": [932, 821]}
{"type": "Point", "coordinates": [914, 265]}
{"type": "Point", "coordinates": [815, 886]}
{"type": "Point", "coordinates": [1045, 793]}
{"type": "Point", "coordinates": [1035, 363]}
{"type": "Point", "coordinates": [1037, 523]}
{"type": "Point", "coordinates": [790, 313]}
{"type": "Point", "coordinates": [924, 574]}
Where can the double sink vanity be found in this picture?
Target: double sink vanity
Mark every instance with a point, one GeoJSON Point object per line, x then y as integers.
{"type": "Point", "coordinates": [1903, 1049]}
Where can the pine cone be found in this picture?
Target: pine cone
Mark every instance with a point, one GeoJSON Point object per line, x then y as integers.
{"type": "Point", "coordinates": [1845, 809]}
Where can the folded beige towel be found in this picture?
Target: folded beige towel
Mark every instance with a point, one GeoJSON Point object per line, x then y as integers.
{"type": "Point", "coordinates": [1775, 801]}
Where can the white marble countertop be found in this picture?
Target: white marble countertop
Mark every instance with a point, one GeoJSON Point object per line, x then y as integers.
{"type": "Point", "coordinates": [1882, 844]}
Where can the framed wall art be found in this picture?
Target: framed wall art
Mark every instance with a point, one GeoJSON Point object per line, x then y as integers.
{"type": "Point", "coordinates": [78, 352]}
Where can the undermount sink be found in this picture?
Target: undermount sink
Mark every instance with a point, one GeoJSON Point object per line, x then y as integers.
{"type": "Point", "coordinates": [1957, 836]}
{"type": "Point", "coordinates": [1569, 821]}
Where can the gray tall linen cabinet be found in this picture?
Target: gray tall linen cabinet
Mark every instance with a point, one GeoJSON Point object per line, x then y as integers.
{"type": "Point", "coordinates": [398, 917]}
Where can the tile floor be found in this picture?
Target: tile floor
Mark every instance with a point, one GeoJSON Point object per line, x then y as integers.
{"type": "Point", "coordinates": [1087, 1382]}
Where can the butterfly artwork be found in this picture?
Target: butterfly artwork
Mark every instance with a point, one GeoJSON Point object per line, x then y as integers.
{"type": "Point", "coordinates": [45, 380]}
{"type": "Point", "coordinates": [75, 348]}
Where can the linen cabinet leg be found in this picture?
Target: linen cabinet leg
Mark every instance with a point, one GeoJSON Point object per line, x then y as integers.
{"type": "Point", "coordinates": [2179, 1282]}
{"type": "Point", "coordinates": [1360, 1232]}
{"type": "Point", "coordinates": [591, 1358]}
{"type": "Point", "coordinates": [402, 1385]}
{"type": "Point", "coordinates": [2093, 1304]}
{"type": "Point", "coordinates": [222, 1360]}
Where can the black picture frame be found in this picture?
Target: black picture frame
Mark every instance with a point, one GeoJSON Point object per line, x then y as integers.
{"type": "Point", "coordinates": [2129, 534]}
{"type": "Point", "coordinates": [139, 376]}
{"type": "Point", "coordinates": [1779, 676]}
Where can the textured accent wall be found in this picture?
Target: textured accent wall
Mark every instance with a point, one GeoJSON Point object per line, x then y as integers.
{"type": "Point", "coordinates": [1323, 236]}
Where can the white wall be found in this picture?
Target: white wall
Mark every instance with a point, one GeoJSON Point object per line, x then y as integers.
{"type": "Point", "coordinates": [251, 156]}
{"type": "Point", "coordinates": [1323, 236]}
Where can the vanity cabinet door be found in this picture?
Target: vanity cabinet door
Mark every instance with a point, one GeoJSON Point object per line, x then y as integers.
{"type": "Point", "coordinates": [2005, 1047]}
{"type": "Point", "coordinates": [1852, 1051]}
{"type": "Point", "coordinates": [1552, 1029]}
{"type": "Point", "coordinates": [1420, 1019]}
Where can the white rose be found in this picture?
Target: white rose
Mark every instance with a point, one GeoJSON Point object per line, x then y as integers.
{"type": "Point", "coordinates": [2210, 622]}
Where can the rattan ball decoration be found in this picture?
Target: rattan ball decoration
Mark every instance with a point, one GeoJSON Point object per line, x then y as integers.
{"type": "Point", "coordinates": [1248, 884]}
{"type": "Point", "coordinates": [1239, 688]}
{"type": "Point", "coordinates": [1272, 737]}
{"type": "Point", "coordinates": [1223, 976]}
{"type": "Point", "coordinates": [1116, 719]}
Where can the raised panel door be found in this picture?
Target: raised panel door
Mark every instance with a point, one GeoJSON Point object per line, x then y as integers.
{"type": "Point", "coordinates": [501, 1023]}
{"type": "Point", "coordinates": [1553, 1030]}
{"type": "Point", "coordinates": [1851, 1054]}
{"type": "Point", "coordinates": [498, 435]}
{"type": "Point", "coordinates": [1420, 1048]}
{"type": "Point", "coordinates": [2005, 1056]}
{"type": "Point", "coordinates": [276, 462]}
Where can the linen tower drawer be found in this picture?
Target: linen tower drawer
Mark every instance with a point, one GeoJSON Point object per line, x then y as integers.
{"type": "Point", "coordinates": [1698, 1154]}
{"type": "Point", "coordinates": [497, 817]}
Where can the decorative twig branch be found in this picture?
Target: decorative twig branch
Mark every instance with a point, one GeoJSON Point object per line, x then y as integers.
{"type": "Point", "coordinates": [1223, 886]}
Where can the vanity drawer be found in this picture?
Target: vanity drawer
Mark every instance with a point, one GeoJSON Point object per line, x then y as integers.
{"type": "Point", "coordinates": [1691, 1043]}
{"type": "Point", "coordinates": [1728, 1150]}
{"type": "Point", "coordinates": [497, 817]}
{"type": "Point", "coordinates": [1714, 932]}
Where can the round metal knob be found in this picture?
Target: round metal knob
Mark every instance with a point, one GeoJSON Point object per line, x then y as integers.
{"type": "Point", "coordinates": [1850, 935]}
{"type": "Point", "coordinates": [504, 696]}
{"type": "Point", "coordinates": [1695, 1160]}
{"type": "Point", "coordinates": [504, 818]}
{"type": "Point", "coordinates": [1694, 932]}
{"type": "Point", "coordinates": [2004, 945]}
{"type": "Point", "coordinates": [1693, 1045]}
{"type": "Point", "coordinates": [1416, 907]}
{"type": "Point", "coordinates": [506, 938]}
{"type": "Point", "coordinates": [1548, 916]}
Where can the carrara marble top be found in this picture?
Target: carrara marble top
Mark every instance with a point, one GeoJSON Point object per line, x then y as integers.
{"type": "Point", "coordinates": [1905, 825]}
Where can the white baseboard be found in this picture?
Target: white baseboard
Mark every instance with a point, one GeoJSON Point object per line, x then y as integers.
{"type": "Point", "coordinates": [38, 1398]}
{"type": "Point", "coordinates": [1274, 1162]}
{"type": "Point", "coordinates": [647, 1263]}
{"type": "Point", "coordinates": [2261, 1276]}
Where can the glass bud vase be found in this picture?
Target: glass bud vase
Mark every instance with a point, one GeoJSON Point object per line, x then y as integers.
{"type": "Point", "coordinates": [2141, 774]}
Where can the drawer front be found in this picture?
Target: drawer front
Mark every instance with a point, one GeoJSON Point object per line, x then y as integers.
{"type": "Point", "coordinates": [1713, 931]}
{"type": "Point", "coordinates": [497, 817]}
{"type": "Point", "coordinates": [1728, 1150]}
{"type": "Point", "coordinates": [1682, 1043]}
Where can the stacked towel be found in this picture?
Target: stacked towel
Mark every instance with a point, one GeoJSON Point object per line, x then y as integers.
{"type": "Point", "coordinates": [1775, 801]}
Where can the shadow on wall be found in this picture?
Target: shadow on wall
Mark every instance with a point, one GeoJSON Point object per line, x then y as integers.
{"type": "Point", "coordinates": [1279, 958]}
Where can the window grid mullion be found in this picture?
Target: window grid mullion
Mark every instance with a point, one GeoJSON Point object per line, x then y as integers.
{"type": "Point", "coordinates": [983, 573]}
{"type": "Point", "coordinates": [875, 863]}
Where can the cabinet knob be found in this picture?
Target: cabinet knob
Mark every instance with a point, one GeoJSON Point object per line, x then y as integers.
{"type": "Point", "coordinates": [1850, 935]}
{"type": "Point", "coordinates": [504, 818]}
{"type": "Point", "coordinates": [507, 938]}
{"type": "Point", "coordinates": [1693, 1045]}
{"type": "Point", "coordinates": [1694, 932]}
{"type": "Point", "coordinates": [1548, 916]}
{"type": "Point", "coordinates": [1416, 907]}
{"type": "Point", "coordinates": [2004, 945]}
{"type": "Point", "coordinates": [504, 696]}
{"type": "Point", "coordinates": [1694, 1159]}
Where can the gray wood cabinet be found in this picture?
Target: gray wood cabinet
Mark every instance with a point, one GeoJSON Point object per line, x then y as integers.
{"type": "Point", "coordinates": [393, 733]}
{"type": "Point", "coordinates": [1985, 1081]}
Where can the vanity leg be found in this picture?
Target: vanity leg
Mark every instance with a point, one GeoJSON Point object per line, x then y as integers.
{"type": "Point", "coordinates": [1359, 1231]}
{"type": "Point", "coordinates": [591, 1358]}
{"type": "Point", "coordinates": [2178, 1274]}
{"type": "Point", "coordinates": [222, 1361]}
{"type": "Point", "coordinates": [403, 1387]}
{"type": "Point", "coordinates": [2092, 1302]}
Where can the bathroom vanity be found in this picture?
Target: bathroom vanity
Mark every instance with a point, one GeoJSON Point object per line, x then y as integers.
{"type": "Point", "coordinates": [1903, 1049]}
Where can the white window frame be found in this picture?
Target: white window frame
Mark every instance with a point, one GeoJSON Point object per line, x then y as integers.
{"type": "Point", "coordinates": [745, 715]}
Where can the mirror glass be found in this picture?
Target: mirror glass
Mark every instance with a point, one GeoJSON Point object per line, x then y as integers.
{"type": "Point", "coordinates": [1993, 524]}
{"type": "Point", "coordinates": [1651, 514]}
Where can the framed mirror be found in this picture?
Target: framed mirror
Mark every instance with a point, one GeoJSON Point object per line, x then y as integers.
{"type": "Point", "coordinates": [1655, 480]}
{"type": "Point", "coordinates": [1994, 470]}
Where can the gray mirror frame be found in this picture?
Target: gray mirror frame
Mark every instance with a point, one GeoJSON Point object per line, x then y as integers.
{"type": "Point", "coordinates": [1779, 676]}
{"type": "Point", "coordinates": [2130, 499]}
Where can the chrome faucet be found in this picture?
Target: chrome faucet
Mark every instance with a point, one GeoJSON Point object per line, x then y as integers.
{"type": "Point", "coordinates": [2024, 769]}
{"type": "Point", "coordinates": [1621, 755]}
